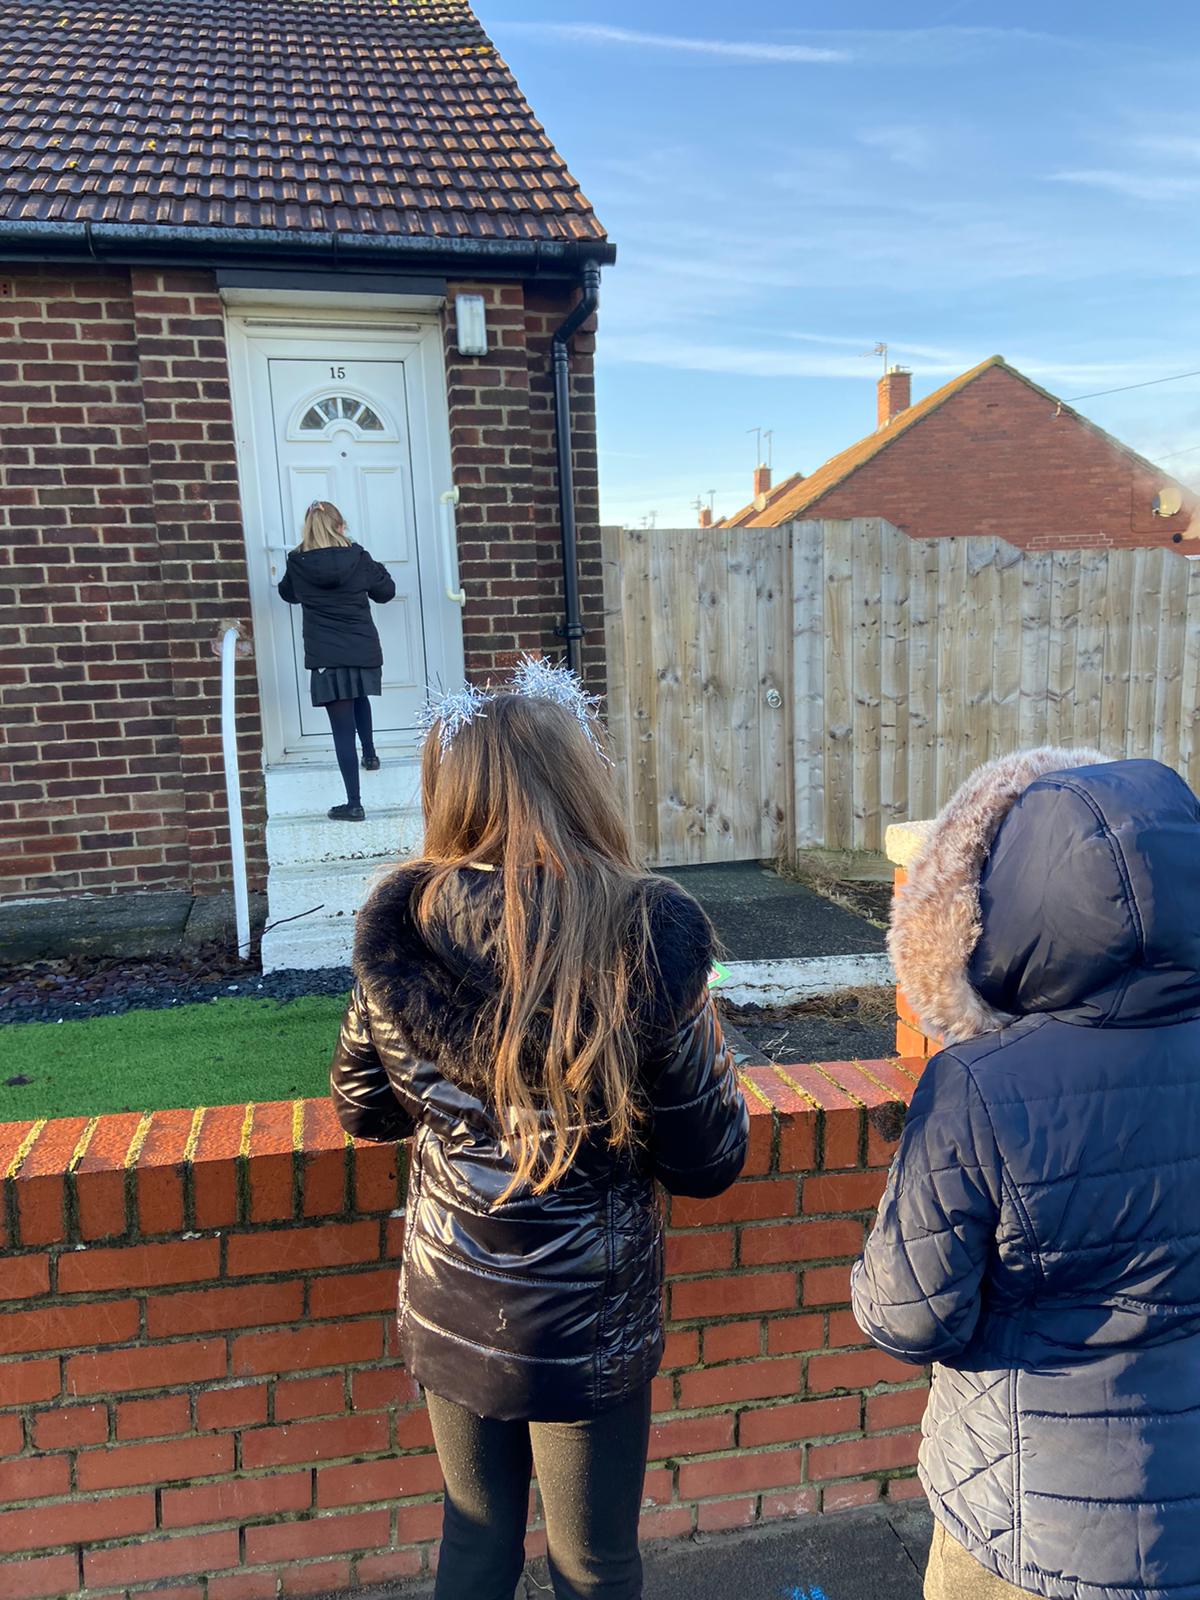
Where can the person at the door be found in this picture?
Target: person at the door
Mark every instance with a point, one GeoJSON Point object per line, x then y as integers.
{"type": "Point", "coordinates": [333, 581]}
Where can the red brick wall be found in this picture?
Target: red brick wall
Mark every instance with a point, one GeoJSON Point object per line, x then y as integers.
{"type": "Point", "coordinates": [912, 1041]}
{"type": "Point", "coordinates": [121, 542]}
{"type": "Point", "coordinates": [198, 1379]}
{"type": "Point", "coordinates": [998, 459]}
{"type": "Point", "coordinates": [123, 546]}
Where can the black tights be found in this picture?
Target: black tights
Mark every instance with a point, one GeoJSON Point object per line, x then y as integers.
{"type": "Point", "coordinates": [590, 1478]}
{"type": "Point", "coordinates": [346, 717]}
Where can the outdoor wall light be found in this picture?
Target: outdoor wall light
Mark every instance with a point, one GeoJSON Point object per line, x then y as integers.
{"type": "Point", "coordinates": [471, 321]}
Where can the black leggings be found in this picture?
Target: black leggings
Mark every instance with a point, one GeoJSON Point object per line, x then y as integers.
{"type": "Point", "coordinates": [590, 1476]}
{"type": "Point", "coordinates": [346, 717]}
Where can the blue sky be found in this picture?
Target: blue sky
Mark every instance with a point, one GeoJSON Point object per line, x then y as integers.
{"type": "Point", "coordinates": [789, 183]}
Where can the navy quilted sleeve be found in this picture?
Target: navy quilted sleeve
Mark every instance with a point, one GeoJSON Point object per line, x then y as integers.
{"type": "Point", "coordinates": [917, 1290]}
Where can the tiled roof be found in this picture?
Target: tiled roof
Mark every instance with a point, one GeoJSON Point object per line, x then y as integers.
{"type": "Point", "coordinates": [387, 117]}
{"type": "Point", "coordinates": [792, 498]}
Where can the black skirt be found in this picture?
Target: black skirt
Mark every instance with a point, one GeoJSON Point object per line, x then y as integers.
{"type": "Point", "coordinates": [344, 683]}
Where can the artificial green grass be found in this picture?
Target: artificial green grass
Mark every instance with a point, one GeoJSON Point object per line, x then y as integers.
{"type": "Point", "coordinates": [224, 1052]}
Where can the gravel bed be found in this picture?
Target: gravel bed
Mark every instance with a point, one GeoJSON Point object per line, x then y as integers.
{"type": "Point", "coordinates": [90, 986]}
{"type": "Point", "coordinates": [859, 1025]}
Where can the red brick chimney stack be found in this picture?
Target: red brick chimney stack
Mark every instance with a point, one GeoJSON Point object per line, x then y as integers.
{"type": "Point", "coordinates": [762, 480]}
{"type": "Point", "coordinates": [706, 517]}
{"type": "Point", "coordinates": [895, 394]}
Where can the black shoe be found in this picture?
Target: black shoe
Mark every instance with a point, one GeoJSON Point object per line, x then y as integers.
{"type": "Point", "coordinates": [347, 814]}
{"type": "Point", "coordinates": [371, 763]}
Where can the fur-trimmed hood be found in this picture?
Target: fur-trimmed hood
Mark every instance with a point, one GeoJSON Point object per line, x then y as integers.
{"type": "Point", "coordinates": [433, 987]}
{"type": "Point", "coordinates": [1054, 881]}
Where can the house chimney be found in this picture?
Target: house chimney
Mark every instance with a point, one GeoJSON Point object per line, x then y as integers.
{"type": "Point", "coordinates": [895, 394]}
{"type": "Point", "coordinates": [706, 517]}
{"type": "Point", "coordinates": [762, 481]}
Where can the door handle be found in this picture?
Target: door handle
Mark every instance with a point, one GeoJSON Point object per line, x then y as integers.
{"type": "Point", "coordinates": [450, 577]}
{"type": "Point", "coordinates": [277, 555]}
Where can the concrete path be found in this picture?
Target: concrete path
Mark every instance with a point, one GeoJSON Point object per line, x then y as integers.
{"type": "Point", "coordinates": [763, 917]}
{"type": "Point", "coordinates": [784, 943]}
{"type": "Point", "coordinates": [861, 1556]}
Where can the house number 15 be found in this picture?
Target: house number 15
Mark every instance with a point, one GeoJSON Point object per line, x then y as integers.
{"type": "Point", "coordinates": [337, 372]}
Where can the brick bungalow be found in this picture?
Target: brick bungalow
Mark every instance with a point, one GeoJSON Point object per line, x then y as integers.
{"type": "Point", "coordinates": [989, 453]}
{"type": "Point", "coordinates": [233, 239]}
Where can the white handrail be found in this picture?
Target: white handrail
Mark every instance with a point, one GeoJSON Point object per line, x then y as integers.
{"type": "Point", "coordinates": [454, 589]}
{"type": "Point", "coordinates": [233, 790]}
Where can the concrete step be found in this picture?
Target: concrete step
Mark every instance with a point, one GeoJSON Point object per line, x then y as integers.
{"type": "Point", "coordinates": [299, 841]}
{"type": "Point", "coordinates": [310, 790]}
{"type": "Point", "coordinates": [338, 887]}
{"type": "Point", "coordinates": [302, 946]}
{"type": "Point", "coordinates": [320, 872]}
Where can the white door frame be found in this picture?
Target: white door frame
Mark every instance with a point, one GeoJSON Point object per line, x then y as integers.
{"type": "Point", "coordinates": [417, 336]}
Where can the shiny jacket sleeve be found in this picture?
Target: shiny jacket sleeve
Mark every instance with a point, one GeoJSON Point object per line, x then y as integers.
{"type": "Point", "coordinates": [699, 1126]}
{"type": "Point", "coordinates": [363, 1097]}
{"type": "Point", "coordinates": [285, 589]}
{"type": "Point", "coordinates": [917, 1292]}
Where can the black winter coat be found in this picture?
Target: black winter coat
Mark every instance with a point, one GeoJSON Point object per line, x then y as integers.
{"type": "Point", "coordinates": [545, 1307]}
{"type": "Point", "coordinates": [335, 588]}
{"type": "Point", "coordinates": [1039, 1234]}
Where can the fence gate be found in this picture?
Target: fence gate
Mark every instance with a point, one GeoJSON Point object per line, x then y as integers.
{"type": "Point", "coordinates": [698, 624]}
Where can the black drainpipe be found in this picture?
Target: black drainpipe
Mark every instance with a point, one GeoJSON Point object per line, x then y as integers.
{"type": "Point", "coordinates": [572, 629]}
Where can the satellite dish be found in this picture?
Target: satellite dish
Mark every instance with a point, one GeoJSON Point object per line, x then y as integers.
{"type": "Point", "coordinates": [1168, 501]}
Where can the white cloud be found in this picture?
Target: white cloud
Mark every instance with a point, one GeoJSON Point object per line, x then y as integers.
{"type": "Point", "coordinates": [596, 33]}
{"type": "Point", "coordinates": [771, 360]}
{"type": "Point", "coordinates": [906, 145]}
{"type": "Point", "coordinates": [1154, 186]}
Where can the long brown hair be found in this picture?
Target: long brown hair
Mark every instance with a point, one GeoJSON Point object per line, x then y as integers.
{"type": "Point", "coordinates": [522, 789]}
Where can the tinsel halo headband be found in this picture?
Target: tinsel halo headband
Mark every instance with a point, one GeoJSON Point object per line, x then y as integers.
{"type": "Point", "coordinates": [451, 711]}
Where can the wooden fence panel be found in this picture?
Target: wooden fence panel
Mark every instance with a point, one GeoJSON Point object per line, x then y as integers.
{"type": "Point", "coordinates": [698, 621]}
{"type": "Point", "coordinates": [774, 689]}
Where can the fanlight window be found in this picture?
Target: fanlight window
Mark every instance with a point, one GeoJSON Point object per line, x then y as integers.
{"type": "Point", "coordinates": [340, 408]}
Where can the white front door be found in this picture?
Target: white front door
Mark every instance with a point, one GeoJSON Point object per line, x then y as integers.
{"type": "Point", "coordinates": [355, 415]}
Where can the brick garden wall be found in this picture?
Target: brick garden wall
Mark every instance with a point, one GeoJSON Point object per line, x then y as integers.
{"type": "Point", "coordinates": [121, 542]}
{"type": "Point", "coordinates": [999, 459]}
{"type": "Point", "coordinates": [199, 1391]}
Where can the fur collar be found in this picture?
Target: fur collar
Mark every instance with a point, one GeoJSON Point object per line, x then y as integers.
{"type": "Point", "coordinates": [432, 997]}
{"type": "Point", "coordinates": [935, 919]}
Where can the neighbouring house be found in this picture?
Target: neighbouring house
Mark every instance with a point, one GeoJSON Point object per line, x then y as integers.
{"type": "Point", "coordinates": [252, 253]}
{"type": "Point", "coordinates": [990, 453]}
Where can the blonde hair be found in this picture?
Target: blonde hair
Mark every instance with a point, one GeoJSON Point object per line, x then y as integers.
{"type": "Point", "coordinates": [324, 527]}
{"type": "Point", "coordinates": [522, 788]}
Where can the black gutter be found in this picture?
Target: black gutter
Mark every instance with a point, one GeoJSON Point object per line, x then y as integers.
{"type": "Point", "coordinates": [572, 629]}
{"type": "Point", "coordinates": [149, 244]}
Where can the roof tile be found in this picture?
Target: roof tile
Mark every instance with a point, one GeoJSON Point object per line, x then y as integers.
{"type": "Point", "coordinates": [302, 114]}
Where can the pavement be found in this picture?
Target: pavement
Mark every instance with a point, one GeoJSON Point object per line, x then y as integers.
{"type": "Point", "coordinates": [874, 1555]}
{"type": "Point", "coordinates": [760, 916]}
{"type": "Point", "coordinates": [863, 1555]}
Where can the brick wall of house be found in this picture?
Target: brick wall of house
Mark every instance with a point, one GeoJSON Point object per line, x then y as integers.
{"type": "Point", "coordinates": [997, 458]}
{"type": "Point", "coordinates": [123, 549]}
{"type": "Point", "coordinates": [503, 449]}
{"type": "Point", "coordinates": [121, 546]}
{"type": "Point", "coordinates": [198, 1378]}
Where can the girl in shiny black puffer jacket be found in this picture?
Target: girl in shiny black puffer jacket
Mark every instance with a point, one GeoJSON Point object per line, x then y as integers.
{"type": "Point", "coordinates": [535, 1010]}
